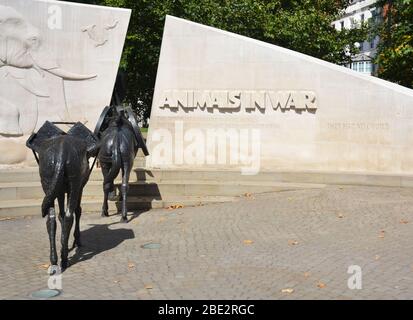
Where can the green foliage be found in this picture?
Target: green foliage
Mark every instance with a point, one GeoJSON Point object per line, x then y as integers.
{"type": "Point", "coordinates": [395, 52]}
{"type": "Point", "coordinates": [306, 27]}
{"type": "Point", "coordinates": [301, 25]}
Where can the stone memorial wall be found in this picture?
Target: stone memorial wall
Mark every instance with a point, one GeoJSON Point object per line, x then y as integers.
{"type": "Point", "coordinates": [224, 101]}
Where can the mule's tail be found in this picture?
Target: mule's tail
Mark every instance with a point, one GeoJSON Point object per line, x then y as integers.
{"type": "Point", "coordinates": [116, 162]}
{"type": "Point", "coordinates": [54, 184]}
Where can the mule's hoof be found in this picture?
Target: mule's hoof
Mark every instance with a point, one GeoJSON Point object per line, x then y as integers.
{"type": "Point", "coordinates": [77, 244]}
{"type": "Point", "coordinates": [112, 196]}
{"type": "Point", "coordinates": [63, 265]}
{"type": "Point", "coordinates": [53, 269]}
{"type": "Point", "coordinates": [105, 214]}
{"type": "Point", "coordinates": [124, 220]}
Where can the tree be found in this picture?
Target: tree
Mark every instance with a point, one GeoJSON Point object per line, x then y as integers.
{"type": "Point", "coordinates": [395, 51]}
{"type": "Point", "coordinates": [300, 25]}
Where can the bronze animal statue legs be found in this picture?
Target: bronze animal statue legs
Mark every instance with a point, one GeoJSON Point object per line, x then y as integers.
{"type": "Point", "coordinates": [51, 230]}
{"type": "Point", "coordinates": [76, 234]}
{"type": "Point", "coordinates": [74, 196]}
{"type": "Point", "coordinates": [126, 170]}
{"type": "Point", "coordinates": [108, 185]}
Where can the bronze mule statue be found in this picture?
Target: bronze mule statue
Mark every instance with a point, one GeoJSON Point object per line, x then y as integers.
{"type": "Point", "coordinates": [64, 170]}
{"type": "Point", "coordinates": [120, 140]}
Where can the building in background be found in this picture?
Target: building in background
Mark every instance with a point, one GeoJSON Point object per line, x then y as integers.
{"type": "Point", "coordinates": [358, 12]}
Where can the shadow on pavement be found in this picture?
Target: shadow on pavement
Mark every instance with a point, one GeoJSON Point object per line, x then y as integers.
{"type": "Point", "coordinates": [98, 239]}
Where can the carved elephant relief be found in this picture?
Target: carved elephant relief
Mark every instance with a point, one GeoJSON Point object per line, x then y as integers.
{"type": "Point", "coordinates": [32, 84]}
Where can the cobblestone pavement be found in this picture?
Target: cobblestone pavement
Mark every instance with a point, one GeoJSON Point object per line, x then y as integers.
{"type": "Point", "coordinates": [252, 249]}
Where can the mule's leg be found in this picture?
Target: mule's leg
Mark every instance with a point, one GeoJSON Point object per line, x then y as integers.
{"type": "Point", "coordinates": [51, 230]}
{"type": "Point", "coordinates": [126, 169]}
{"type": "Point", "coordinates": [106, 190]}
{"type": "Point", "coordinates": [72, 204]}
{"type": "Point", "coordinates": [76, 235]}
{"type": "Point", "coordinates": [61, 200]}
{"type": "Point", "coordinates": [66, 227]}
{"type": "Point", "coordinates": [105, 206]}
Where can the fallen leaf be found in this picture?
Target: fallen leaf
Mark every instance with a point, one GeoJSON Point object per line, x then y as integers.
{"type": "Point", "coordinates": [249, 196]}
{"type": "Point", "coordinates": [404, 221]}
{"type": "Point", "coordinates": [321, 285]}
{"type": "Point", "coordinates": [44, 266]}
{"type": "Point", "coordinates": [6, 218]}
{"type": "Point", "coordinates": [131, 265]}
{"type": "Point", "coordinates": [248, 242]}
{"type": "Point", "coordinates": [116, 281]}
{"type": "Point", "coordinates": [161, 219]}
{"type": "Point", "coordinates": [148, 286]}
{"type": "Point", "coordinates": [287, 290]}
{"type": "Point", "coordinates": [381, 235]}
{"type": "Point", "coordinates": [377, 257]}
{"type": "Point", "coordinates": [292, 242]}
{"type": "Point", "coordinates": [306, 274]}
{"type": "Point", "coordinates": [340, 216]}
{"type": "Point", "coordinates": [175, 206]}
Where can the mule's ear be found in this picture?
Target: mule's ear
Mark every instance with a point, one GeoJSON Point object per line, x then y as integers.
{"type": "Point", "coordinates": [80, 131]}
{"type": "Point", "coordinates": [48, 130]}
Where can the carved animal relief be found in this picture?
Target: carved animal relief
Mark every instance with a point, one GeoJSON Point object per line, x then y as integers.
{"type": "Point", "coordinates": [99, 34]}
{"type": "Point", "coordinates": [27, 74]}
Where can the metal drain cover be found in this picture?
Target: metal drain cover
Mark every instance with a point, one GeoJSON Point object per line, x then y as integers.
{"type": "Point", "coordinates": [45, 294]}
{"type": "Point", "coordinates": [151, 245]}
